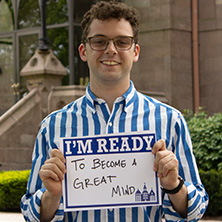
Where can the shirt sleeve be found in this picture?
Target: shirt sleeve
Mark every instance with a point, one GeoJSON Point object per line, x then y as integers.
{"type": "Point", "coordinates": [197, 196]}
{"type": "Point", "coordinates": [31, 201]}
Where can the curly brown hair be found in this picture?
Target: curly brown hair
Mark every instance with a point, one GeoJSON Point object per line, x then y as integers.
{"type": "Point", "coordinates": [110, 10]}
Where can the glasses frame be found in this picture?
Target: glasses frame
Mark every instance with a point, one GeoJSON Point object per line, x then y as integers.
{"type": "Point", "coordinates": [88, 40]}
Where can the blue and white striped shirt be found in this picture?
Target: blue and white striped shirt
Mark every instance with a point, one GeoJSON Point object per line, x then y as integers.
{"type": "Point", "coordinates": [133, 111]}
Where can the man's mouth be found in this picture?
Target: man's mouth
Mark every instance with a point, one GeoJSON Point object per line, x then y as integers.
{"type": "Point", "coordinates": [110, 63]}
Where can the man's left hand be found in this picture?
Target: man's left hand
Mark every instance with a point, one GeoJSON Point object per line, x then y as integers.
{"type": "Point", "coordinates": [166, 165]}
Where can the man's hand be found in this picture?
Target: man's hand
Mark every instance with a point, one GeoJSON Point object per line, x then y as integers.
{"type": "Point", "coordinates": [166, 164]}
{"type": "Point", "coordinates": [52, 173]}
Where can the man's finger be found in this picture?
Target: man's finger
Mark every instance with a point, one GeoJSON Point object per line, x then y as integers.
{"type": "Point", "coordinates": [160, 145]}
{"type": "Point", "coordinates": [59, 154]}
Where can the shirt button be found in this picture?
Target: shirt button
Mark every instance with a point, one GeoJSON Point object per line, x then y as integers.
{"type": "Point", "coordinates": [110, 124]}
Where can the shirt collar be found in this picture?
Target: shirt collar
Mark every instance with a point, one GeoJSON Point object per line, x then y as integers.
{"type": "Point", "coordinates": [129, 97]}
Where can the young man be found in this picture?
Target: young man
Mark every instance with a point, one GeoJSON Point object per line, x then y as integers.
{"type": "Point", "coordinates": [112, 105]}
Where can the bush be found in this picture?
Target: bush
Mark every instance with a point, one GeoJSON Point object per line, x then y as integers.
{"type": "Point", "coordinates": [12, 188]}
{"type": "Point", "coordinates": [206, 135]}
{"type": "Point", "coordinates": [212, 181]}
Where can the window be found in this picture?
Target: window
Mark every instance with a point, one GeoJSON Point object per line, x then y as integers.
{"type": "Point", "coordinates": [20, 31]}
{"type": "Point", "coordinates": [29, 14]}
{"type": "Point", "coordinates": [27, 46]}
{"type": "Point", "coordinates": [59, 43]}
{"type": "Point", "coordinates": [56, 12]}
{"type": "Point", "coordinates": [6, 74]}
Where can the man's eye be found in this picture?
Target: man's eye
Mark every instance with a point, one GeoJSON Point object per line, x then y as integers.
{"type": "Point", "coordinates": [99, 41]}
{"type": "Point", "coordinates": [122, 42]}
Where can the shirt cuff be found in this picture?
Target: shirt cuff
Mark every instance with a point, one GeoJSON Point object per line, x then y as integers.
{"type": "Point", "coordinates": [196, 207]}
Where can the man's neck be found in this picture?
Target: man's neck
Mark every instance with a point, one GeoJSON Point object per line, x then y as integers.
{"type": "Point", "coordinates": [110, 92]}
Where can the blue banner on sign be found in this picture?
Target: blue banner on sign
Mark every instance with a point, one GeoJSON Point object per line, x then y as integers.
{"type": "Point", "coordinates": [108, 144]}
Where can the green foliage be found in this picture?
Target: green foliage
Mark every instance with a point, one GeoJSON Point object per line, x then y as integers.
{"type": "Point", "coordinates": [206, 135]}
{"type": "Point", "coordinates": [56, 12]}
{"type": "Point", "coordinates": [212, 181]}
{"type": "Point", "coordinates": [29, 14]}
{"type": "Point", "coordinates": [12, 188]}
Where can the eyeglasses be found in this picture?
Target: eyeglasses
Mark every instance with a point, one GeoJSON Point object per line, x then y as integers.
{"type": "Point", "coordinates": [101, 42]}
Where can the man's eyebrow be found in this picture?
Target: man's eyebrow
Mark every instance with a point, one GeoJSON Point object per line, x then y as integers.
{"type": "Point", "coordinates": [118, 36]}
{"type": "Point", "coordinates": [98, 35]}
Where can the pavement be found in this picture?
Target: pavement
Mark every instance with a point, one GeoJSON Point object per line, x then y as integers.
{"type": "Point", "coordinates": [11, 217]}
{"type": "Point", "coordinates": [17, 217]}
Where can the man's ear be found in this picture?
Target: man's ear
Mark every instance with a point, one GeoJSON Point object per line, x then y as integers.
{"type": "Point", "coordinates": [82, 52]}
{"type": "Point", "coordinates": [136, 53]}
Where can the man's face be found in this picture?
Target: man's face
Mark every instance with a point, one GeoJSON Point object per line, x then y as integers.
{"type": "Point", "coordinates": [109, 66]}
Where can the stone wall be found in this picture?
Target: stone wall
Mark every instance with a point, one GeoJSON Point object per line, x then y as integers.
{"type": "Point", "coordinates": [19, 125]}
{"type": "Point", "coordinates": [18, 129]}
{"type": "Point", "coordinates": [210, 48]}
{"type": "Point", "coordinates": [165, 64]}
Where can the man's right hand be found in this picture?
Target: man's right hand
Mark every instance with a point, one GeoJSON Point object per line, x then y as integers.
{"type": "Point", "coordinates": [52, 173]}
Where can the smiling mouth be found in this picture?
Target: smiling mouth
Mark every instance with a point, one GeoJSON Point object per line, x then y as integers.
{"type": "Point", "coordinates": [110, 63]}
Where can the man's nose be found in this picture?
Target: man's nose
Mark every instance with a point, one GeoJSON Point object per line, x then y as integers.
{"type": "Point", "coordinates": [111, 47]}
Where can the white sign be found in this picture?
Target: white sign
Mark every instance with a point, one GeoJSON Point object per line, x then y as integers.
{"type": "Point", "coordinates": [109, 171]}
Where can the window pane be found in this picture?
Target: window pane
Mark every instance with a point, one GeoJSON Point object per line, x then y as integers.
{"type": "Point", "coordinates": [27, 46]}
{"type": "Point", "coordinates": [29, 14]}
{"type": "Point", "coordinates": [59, 40]}
{"type": "Point", "coordinates": [6, 74]}
{"type": "Point", "coordinates": [56, 12]}
{"type": "Point", "coordinates": [6, 16]}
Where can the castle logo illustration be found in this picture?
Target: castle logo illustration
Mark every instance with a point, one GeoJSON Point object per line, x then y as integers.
{"type": "Point", "coordinates": [145, 195]}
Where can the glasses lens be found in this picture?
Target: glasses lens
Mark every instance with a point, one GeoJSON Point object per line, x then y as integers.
{"type": "Point", "coordinates": [123, 43]}
{"type": "Point", "coordinates": [98, 42]}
